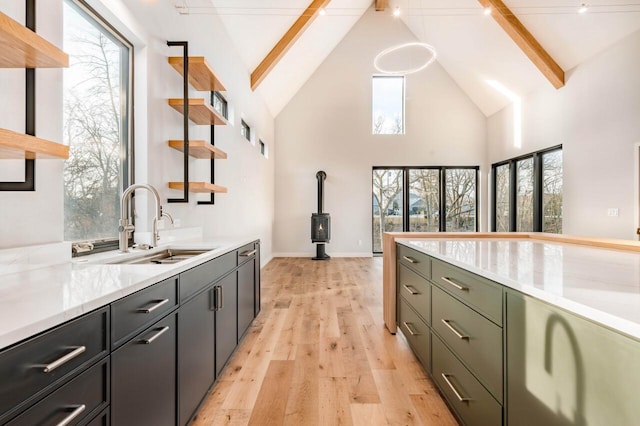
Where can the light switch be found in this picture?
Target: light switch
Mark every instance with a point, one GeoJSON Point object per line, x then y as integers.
{"type": "Point", "coordinates": [612, 213]}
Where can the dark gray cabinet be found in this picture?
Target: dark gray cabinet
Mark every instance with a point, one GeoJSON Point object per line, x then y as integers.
{"type": "Point", "coordinates": [246, 295]}
{"type": "Point", "coordinates": [32, 369]}
{"type": "Point", "coordinates": [143, 379]}
{"type": "Point", "coordinates": [226, 319]}
{"type": "Point", "coordinates": [196, 352]}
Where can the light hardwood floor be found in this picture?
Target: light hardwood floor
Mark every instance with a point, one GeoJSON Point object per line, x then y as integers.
{"type": "Point", "coordinates": [319, 354]}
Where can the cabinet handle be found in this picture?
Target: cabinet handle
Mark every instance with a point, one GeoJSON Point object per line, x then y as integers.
{"type": "Point", "coordinates": [410, 289]}
{"type": "Point", "coordinates": [408, 326]}
{"type": "Point", "coordinates": [152, 307]}
{"type": "Point", "coordinates": [77, 350]}
{"type": "Point", "coordinates": [212, 299]}
{"type": "Point", "coordinates": [410, 259]}
{"type": "Point", "coordinates": [453, 388]}
{"type": "Point", "coordinates": [248, 253]}
{"type": "Point", "coordinates": [75, 413]}
{"type": "Point", "coordinates": [155, 336]}
{"type": "Point", "coordinates": [454, 331]}
{"type": "Point", "coordinates": [456, 285]}
{"type": "Point", "coordinates": [221, 298]}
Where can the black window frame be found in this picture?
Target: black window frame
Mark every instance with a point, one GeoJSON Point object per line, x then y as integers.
{"type": "Point", "coordinates": [538, 218]}
{"type": "Point", "coordinates": [128, 162]}
{"type": "Point", "coordinates": [246, 130]}
{"type": "Point", "coordinates": [224, 110]}
{"type": "Point", "coordinates": [442, 186]}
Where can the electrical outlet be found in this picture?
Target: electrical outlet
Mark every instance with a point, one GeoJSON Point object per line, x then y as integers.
{"type": "Point", "coordinates": [613, 212]}
{"type": "Point", "coordinates": [176, 223]}
{"type": "Point", "coordinates": [359, 242]}
{"type": "Point", "coordinates": [160, 224]}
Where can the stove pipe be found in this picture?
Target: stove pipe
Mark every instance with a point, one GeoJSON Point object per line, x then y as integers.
{"type": "Point", "coordinates": [321, 176]}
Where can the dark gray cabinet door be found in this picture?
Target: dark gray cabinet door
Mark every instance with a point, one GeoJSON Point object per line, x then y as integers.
{"type": "Point", "coordinates": [256, 284]}
{"type": "Point", "coordinates": [196, 356]}
{"type": "Point", "coordinates": [246, 277]}
{"type": "Point", "coordinates": [226, 319]}
{"type": "Point", "coordinates": [143, 377]}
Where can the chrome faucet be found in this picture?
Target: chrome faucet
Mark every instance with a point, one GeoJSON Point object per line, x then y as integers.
{"type": "Point", "coordinates": [125, 228]}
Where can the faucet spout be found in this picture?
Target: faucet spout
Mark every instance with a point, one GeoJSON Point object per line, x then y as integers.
{"type": "Point", "coordinates": [125, 227]}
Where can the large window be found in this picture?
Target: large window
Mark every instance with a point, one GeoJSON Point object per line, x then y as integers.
{"type": "Point", "coordinates": [527, 193]}
{"type": "Point", "coordinates": [423, 199]}
{"type": "Point", "coordinates": [97, 124]}
{"type": "Point", "coordinates": [388, 105]}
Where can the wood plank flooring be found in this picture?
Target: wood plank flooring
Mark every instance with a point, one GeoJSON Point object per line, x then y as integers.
{"type": "Point", "coordinates": [319, 354]}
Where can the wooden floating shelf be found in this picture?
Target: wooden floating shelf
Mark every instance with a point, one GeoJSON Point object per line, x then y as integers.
{"type": "Point", "coordinates": [23, 48]}
{"type": "Point", "coordinates": [19, 145]}
{"type": "Point", "coordinates": [201, 76]}
{"type": "Point", "coordinates": [200, 112]}
{"type": "Point", "coordinates": [202, 187]}
{"type": "Point", "coordinates": [200, 149]}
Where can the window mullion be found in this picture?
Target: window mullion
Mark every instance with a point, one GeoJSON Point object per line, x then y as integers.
{"type": "Point", "coordinates": [537, 193]}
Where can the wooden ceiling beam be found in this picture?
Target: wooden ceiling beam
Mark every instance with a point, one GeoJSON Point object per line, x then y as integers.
{"type": "Point", "coordinates": [381, 5]}
{"type": "Point", "coordinates": [285, 43]}
{"type": "Point", "coordinates": [526, 41]}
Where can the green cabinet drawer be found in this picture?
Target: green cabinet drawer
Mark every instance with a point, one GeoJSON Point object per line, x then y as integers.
{"type": "Point", "coordinates": [476, 340]}
{"type": "Point", "coordinates": [416, 332]}
{"type": "Point", "coordinates": [419, 262]}
{"type": "Point", "coordinates": [483, 295]}
{"type": "Point", "coordinates": [473, 404]}
{"type": "Point", "coordinates": [416, 290]}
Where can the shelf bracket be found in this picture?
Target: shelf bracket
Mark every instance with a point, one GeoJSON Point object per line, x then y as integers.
{"type": "Point", "coordinates": [185, 95]}
{"type": "Point", "coordinates": [29, 183]}
{"type": "Point", "coordinates": [212, 200]}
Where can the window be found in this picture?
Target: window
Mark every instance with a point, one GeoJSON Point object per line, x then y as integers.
{"type": "Point", "coordinates": [97, 123]}
{"type": "Point", "coordinates": [436, 199]}
{"type": "Point", "coordinates": [219, 103]}
{"type": "Point", "coordinates": [527, 193]}
{"type": "Point", "coordinates": [388, 105]}
{"type": "Point", "coordinates": [245, 130]}
{"type": "Point", "coordinates": [264, 149]}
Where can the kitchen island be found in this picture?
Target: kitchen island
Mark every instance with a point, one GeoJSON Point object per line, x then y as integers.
{"type": "Point", "coordinates": [521, 328]}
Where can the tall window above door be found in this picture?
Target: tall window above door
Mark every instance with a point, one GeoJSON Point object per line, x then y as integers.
{"type": "Point", "coordinates": [387, 105]}
{"type": "Point", "coordinates": [97, 124]}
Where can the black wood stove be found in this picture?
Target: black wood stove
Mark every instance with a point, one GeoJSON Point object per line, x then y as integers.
{"type": "Point", "coordinates": [321, 222]}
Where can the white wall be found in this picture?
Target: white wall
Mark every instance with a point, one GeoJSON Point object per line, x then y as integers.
{"type": "Point", "coordinates": [596, 117]}
{"type": "Point", "coordinates": [247, 210]}
{"type": "Point", "coordinates": [327, 126]}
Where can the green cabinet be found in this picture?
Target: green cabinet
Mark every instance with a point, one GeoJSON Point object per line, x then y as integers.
{"type": "Point", "coordinates": [565, 370]}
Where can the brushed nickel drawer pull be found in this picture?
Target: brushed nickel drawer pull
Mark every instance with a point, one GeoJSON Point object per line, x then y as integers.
{"type": "Point", "coordinates": [71, 417]}
{"type": "Point", "coordinates": [155, 336]}
{"type": "Point", "coordinates": [410, 259]}
{"type": "Point", "coordinates": [410, 289]}
{"type": "Point", "coordinates": [153, 307]}
{"type": "Point", "coordinates": [453, 388]}
{"type": "Point", "coordinates": [248, 253]}
{"type": "Point", "coordinates": [456, 285]}
{"type": "Point", "coordinates": [454, 331]}
{"type": "Point", "coordinates": [408, 326]}
{"type": "Point", "coordinates": [77, 350]}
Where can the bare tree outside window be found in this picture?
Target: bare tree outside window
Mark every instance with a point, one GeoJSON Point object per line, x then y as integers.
{"type": "Point", "coordinates": [94, 107]}
{"type": "Point", "coordinates": [461, 199]}
{"type": "Point", "coordinates": [502, 197]}
{"type": "Point", "coordinates": [387, 204]}
{"type": "Point", "coordinates": [552, 192]}
{"type": "Point", "coordinates": [388, 105]}
{"type": "Point", "coordinates": [524, 195]}
{"type": "Point", "coordinates": [424, 200]}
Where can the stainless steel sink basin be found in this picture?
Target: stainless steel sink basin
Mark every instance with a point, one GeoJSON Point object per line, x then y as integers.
{"type": "Point", "coordinates": [165, 257]}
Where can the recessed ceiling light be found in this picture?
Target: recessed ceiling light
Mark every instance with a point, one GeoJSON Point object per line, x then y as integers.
{"type": "Point", "coordinates": [322, 11]}
{"type": "Point", "coordinates": [487, 11]}
{"type": "Point", "coordinates": [396, 12]}
{"type": "Point", "coordinates": [583, 8]}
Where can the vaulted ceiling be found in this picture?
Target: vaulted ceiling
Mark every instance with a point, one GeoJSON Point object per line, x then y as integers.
{"type": "Point", "coordinates": [470, 45]}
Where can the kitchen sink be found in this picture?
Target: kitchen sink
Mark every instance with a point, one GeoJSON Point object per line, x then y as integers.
{"type": "Point", "coordinates": [164, 257]}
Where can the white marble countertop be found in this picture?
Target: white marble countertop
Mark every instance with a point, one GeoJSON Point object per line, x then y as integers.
{"type": "Point", "coordinates": [600, 284]}
{"type": "Point", "coordinates": [36, 297]}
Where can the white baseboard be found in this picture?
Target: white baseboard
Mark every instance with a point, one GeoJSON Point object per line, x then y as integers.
{"type": "Point", "coordinates": [312, 254]}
